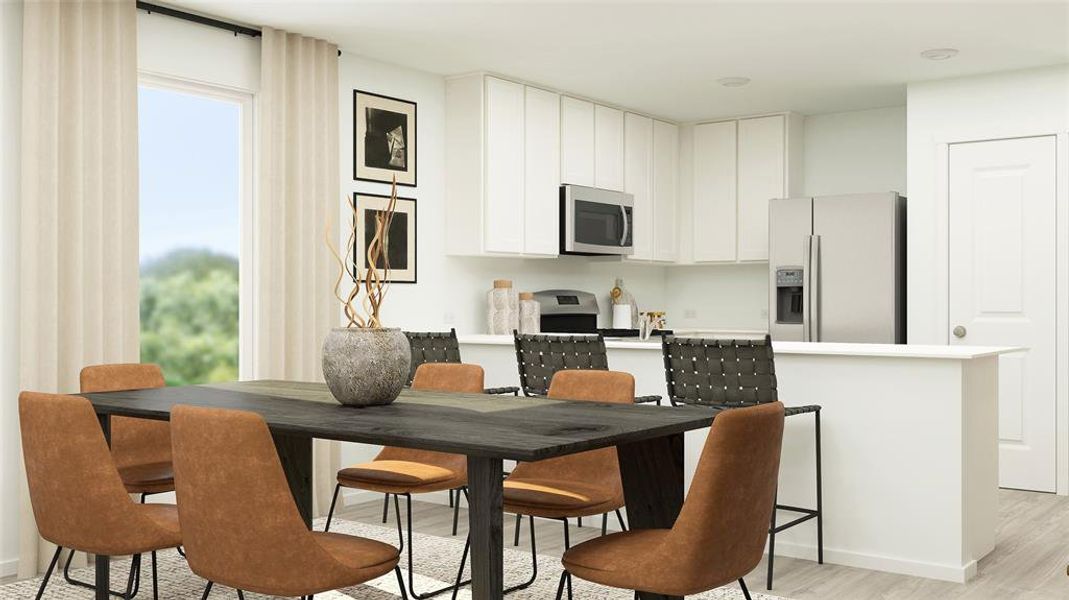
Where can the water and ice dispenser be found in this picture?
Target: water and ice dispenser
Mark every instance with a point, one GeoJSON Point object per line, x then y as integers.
{"type": "Point", "coordinates": [789, 295]}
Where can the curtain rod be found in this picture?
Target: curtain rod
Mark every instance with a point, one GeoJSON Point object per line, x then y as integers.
{"type": "Point", "coordinates": [194, 18]}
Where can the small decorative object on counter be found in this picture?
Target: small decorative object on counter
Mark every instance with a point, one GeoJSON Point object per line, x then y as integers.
{"type": "Point", "coordinates": [620, 296]}
{"type": "Point", "coordinates": [651, 321]}
{"type": "Point", "coordinates": [530, 313]}
{"type": "Point", "coordinates": [503, 308]}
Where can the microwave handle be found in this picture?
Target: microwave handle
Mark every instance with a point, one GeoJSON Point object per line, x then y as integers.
{"type": "Point", "coordinates": [627, 226]}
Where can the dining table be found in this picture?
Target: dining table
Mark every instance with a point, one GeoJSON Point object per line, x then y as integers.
{"type": "Point", "coordinates": [487, 429]}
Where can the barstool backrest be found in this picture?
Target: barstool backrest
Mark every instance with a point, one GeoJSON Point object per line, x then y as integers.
{"type": "Point", "coordinates": [432, 347]}
{"type": "Point", "coordinates": [539, 357]}
{"type": "Point", "coordinates": [719, 372]}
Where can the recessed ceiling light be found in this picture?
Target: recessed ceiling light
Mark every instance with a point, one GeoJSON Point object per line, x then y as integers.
{"type": "Point", "coordinates": [940, 53]}
{"type": "Point", "coordinates": [733, 81]}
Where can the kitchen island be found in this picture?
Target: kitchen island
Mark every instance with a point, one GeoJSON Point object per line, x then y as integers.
{"type": "Point", "coordinates": [910, 446]}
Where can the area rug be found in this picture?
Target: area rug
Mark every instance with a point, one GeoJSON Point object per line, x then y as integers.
{"type": "Point", "coordinates": [436, 561]}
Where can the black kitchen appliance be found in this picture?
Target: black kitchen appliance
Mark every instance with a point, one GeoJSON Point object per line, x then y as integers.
{"type": "Point", "coordinates": [568, 311]}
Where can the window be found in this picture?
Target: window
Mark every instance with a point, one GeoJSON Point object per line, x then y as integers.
{"type": "Point", "coordinates": [193, 187]}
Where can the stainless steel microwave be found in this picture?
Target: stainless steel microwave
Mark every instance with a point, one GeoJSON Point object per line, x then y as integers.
{"type": "Point", "coordinates": [595, 221]}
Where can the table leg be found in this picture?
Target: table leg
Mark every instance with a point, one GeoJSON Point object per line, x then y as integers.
{"type": "Point", "coordinates": [103, 563]}
{"type": "Point", "coordinates": [652, 473]}
{"type": "Point", "coordinates": [485, 527]}
{"type": "Point", "coordinates": [295, 453]}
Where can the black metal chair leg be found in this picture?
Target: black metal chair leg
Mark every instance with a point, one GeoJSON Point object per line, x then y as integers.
{"type": "Point", "coordinates": [604, 523]}
{"type": "Point", "coordinates": [90, 586]}
{"type": "Point", "coordinates": [456, 510]}
{"type": "Point", "coordinates": [620, 518]}
{"type": "Point", "coordinates": [820, 497]}
{"type": "Point", "coordinates": [534, 562]}
{"type": "Point", "coordinates": [772, 542]}
{"type": "Point", "coordinates": [385, 507]}
{"type": "Point", "coordinates": [155, 579]}
{"type": "Point", "coordinates": [207, 590]}
{"type": "Point", "coordinates": [241, 595]}
{"type": "Point", "coordinates": [400, 583]}
{"type": "Point", "coordinates": [560, 585]}
{"type": "Point", "coordinates": [516, 538]}
{"type": "Point", "coordinates": [48, 573]}
{"type": "Point", "coordinates": [579, 521]}
{"type": "Point", "coordinates": [460, 571]}
{"type": "Point", "coordinates": [411, 568]}
{"type": "Point", "coordinates": [745, 592]}
{"type": "Point", "coordinates": [135, 569]}
{"type": "Point", "coordinates": [451, 503]}
{"type": "Point", "coordinates": [333, 502]}
{"type": "Point", "coordinates": [567, 542]}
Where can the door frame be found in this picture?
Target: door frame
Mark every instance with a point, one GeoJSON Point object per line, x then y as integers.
{"type": "Point", "coordinates": [246, 100]}
{"type": "Point", "coordinates": [1061, 319]}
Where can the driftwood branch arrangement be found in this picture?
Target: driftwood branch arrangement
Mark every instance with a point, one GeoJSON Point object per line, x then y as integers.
{"type": "Point", "coordinates": [372, 282]}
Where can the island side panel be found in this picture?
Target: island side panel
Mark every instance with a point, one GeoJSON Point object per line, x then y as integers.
{"type": "Point", "coordinates": [980, 454]}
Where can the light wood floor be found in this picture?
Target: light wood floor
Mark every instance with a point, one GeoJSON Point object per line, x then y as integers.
{"type": "Point", "coordinates": [1029, 562]}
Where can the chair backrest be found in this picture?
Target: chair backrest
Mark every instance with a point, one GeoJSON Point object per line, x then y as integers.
{"type": "Point", "coordinates": [133, 441]}
{"type": "Point", "coordinates": [240, 525]}
{"type": "Point", "coordinates": [78, 498]}
{"type": "Point", "coordinates": [432, 347]}
{"type": "Point", "coordinates": [720, 533]}
{"type": "Point", "coordinates": [439, 377]}
{"type": "Point", "coordinates": [599, 467]}
{"type": "Point", "coordinates": [539, 357]}
{"type": "Point", "coordinates": [719, 372]}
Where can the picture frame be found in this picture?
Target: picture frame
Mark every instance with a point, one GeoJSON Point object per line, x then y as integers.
{"type": "Point", "coordinates": [401, 248]}
{"type": "Point", "coordinates": [384, 139]}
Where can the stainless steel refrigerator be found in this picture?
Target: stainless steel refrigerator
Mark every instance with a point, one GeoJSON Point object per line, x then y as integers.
{"type": "Point", "coordinates": [837, 268]}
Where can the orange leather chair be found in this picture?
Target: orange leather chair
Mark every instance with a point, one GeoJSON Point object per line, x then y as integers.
{"type": "Point", "coordinates": [241, 525]}
{"type": "Point", "coordinates": [141, 447]}
{"type": "Point", "coordinates": [78, 498]}
{"type": "Point", "coordinates": [404, 471]}
{"type": "Point", "coordinates": [719, 535]}
{"type": "Point", "coordinates": [575, 485]}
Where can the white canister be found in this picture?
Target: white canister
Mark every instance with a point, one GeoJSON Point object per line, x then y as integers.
{"type": "Point", "coordinates": [502, 308]}
{"type": "Point", "coordinates": [621, 316]}
{"type": "Point", "coordinates": [530, 313]}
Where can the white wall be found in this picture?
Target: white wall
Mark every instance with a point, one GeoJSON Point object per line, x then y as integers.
{"type": "Point", "coordinates": [10, 454]}
{"type": "Point", "coordinates": [858, 151]}
{"type": "Point", "coordinates": [175, 48]}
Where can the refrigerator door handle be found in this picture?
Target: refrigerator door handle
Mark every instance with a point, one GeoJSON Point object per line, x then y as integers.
{"type": "Point", "coordinates": [814, 288]}
{"type": "Point", "coordinates": [807, 288]}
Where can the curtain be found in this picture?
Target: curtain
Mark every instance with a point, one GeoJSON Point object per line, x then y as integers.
{"type": "Point", "coordinates": [78, 223]}
{"type": "Point", "coordinates": [297, 191]}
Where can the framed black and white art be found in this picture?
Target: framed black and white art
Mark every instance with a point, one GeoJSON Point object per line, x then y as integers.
{"type": "Point", "coordinates": [384, 139]}
{"type": "Point", "coordinates": [401, 242]}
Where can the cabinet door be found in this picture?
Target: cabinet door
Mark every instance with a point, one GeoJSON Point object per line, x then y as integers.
{"type": "Point", "coordinates": [665, 190]}
{"type": "Point", "coordinates": [761, 178]}
{"type": "Point", "coordinates": [714, 192]}
{"type": "Point", "coordinates": [542, 172]}
{"type": "Point", "coordinates": [503, 204]}
{"type": "Point", "coordinates": [577, 141]}
{"type": "Point", "coordinates": [638, 153]}
{"type": "Point", "coordinates": [608, 148]}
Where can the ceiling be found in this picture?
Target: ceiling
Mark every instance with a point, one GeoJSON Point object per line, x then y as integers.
{"type": "Point", "coordinates": [664, 58]}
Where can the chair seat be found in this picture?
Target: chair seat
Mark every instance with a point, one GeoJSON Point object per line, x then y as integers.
{"type": "Point", "coordinates": [367, 558]}
{"type": "Point", "coordinates": [557, 498]}
{"type": "Point", "coordinates": [400, 477]}
{"type": "Point", "coordinates": [149, 478]}
{"type": "Point", "coordinates": [610, 560]}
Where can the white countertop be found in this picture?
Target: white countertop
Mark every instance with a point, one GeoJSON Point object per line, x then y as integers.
{"type": "Point", "coordinates": [821, 348]}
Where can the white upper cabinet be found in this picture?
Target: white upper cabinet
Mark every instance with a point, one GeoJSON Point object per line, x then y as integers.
{"type": "Point", "coordinates": [608, 148]}
{"type": "Point", "coordinates": [714, 211]}
{"type": "Point", "coordinates": [504, 202]}
{"type": "Point", "coordinates": [502, 168]}
{"type": "Point", "coordinates": [577, 141]}
{"type": "Point", "coordinates": [740, 165]}
{"type": "Point", "coordinates": [762, 177]}
{"type": "Point", "coordinates": [665, 190]}
{"type": "Point", "coordinates": [638, 181]}
{"type": "Point", "coordinates": [542, 173]}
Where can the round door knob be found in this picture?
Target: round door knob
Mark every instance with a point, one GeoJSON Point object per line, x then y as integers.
{"type": "Point", "coordinates": [959, 331]}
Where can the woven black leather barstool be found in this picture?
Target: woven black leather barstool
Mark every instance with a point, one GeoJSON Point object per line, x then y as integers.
{"type": "Point", "coordinates": [731, 374]}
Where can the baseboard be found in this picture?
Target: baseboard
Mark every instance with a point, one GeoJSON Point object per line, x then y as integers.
{"type": "Point", "coordinates": [9, 568]}
{"type": "Point", "coordinates": [955, 574]}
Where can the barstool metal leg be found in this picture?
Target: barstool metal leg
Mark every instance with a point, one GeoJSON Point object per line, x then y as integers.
{"type": "Point", "coordinates": [820, 496]}
{"type": "Point", "coordinates": [772, 542]}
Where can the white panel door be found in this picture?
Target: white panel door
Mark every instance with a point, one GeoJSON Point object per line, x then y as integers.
{"type": "Point", "coordinates": [542, 172]}
{"type": "Point", "coordinates": [1002, 290]}
{"type": "Point", "coordinates": [714, 192]}
{"type": "Point", "coordinates": [608, 148]}
{"type": "Point", "coordinates": [638, 168]}
{"type": "Point", "coordinates": [762, 152]}
{"type": "Point", "coordinates": [504, 210]}
{"type": "Point", "coordinates": [665, 190]}
{"type": "Point", "coordinates": [577, 141]}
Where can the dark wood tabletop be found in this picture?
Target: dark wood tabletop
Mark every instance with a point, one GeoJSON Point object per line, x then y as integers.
{"type": "Point", "coordinates": [504, 427]}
